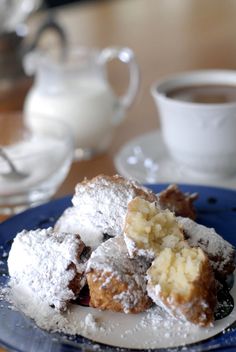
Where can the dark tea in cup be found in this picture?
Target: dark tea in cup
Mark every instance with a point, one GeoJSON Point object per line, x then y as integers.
{"type": "Point", "coordinates": [204, 93]}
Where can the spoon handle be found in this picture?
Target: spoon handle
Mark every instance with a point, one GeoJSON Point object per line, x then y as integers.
{"type": "Point", "coordinates": [8, 160]}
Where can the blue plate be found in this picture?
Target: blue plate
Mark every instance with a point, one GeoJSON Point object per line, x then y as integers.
{"type": "Point", "coordinates": [216, 208]}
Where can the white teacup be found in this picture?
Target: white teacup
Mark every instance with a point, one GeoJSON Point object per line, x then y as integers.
{"type": "Point", "coordinates": [199, 133]}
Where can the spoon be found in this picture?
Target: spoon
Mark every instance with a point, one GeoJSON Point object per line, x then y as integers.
{"type": "Point", "coordinates": [13, 174]}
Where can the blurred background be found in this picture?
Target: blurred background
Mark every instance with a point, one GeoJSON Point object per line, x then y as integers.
{"type": "Point", "coordinates": [167, 36]}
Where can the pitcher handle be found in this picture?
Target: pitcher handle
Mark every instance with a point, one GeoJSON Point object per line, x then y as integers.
{"type": "Point", "coordinates": [125, 55]}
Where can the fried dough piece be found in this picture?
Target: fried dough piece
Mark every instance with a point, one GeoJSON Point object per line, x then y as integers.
{"type": "Point", "coordinates": [117, 282]}
{"type": "Point", "coordinates": [70, 222]}
{"type": "Point", "coordinates": [183, 283]}
{"type": "Point", "coordinates": [102, 202]}
{"type": "Point", "coordinates": [148, 229]}
{"type": "Point", "coordinates": [178, 202]}
{"type": "Point", "coordinates": [50, 264]}
{"type": "Point", "coordinates": [180, 278]}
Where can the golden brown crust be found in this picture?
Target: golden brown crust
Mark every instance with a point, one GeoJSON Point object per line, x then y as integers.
{"type": "Point", "coordinates": [180, 203]}
{"type": "Point", "coordinates": [105, 287]}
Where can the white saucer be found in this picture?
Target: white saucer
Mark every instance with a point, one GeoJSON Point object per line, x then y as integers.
{"type": "Point", "coordinates": [146, 160]}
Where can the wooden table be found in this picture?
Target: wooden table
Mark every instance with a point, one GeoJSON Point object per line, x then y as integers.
{"type": "Point", "coordinates": [167, 36]}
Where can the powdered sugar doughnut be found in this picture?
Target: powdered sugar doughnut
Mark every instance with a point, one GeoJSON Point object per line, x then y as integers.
{"type": "Point", "coordinates": [183, 283]}
{"type": "Point", "coordinates": [115, 281]}
{"type": "Point", "coordinates": [102, 202]}
{"type": "Point", "coordinates": [50, 264]}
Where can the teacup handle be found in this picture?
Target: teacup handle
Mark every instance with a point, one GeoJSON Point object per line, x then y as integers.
{"type": "Point", "coordinates": [125, 55]}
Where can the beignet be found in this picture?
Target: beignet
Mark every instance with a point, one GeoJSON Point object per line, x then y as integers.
{"type": "Point", "coordinates": [180, 203]}
{"type": "Point", "coordinates": [117, 282]}
{"type": "Point", "coordinates": [148, 229]}
{"type": "Point", "coordinates": [50, 264]}
{"type": "Point", "coordinates": [183, 283]}
{"type": "Point", "coordinates": [71, 221]}
{"type": "Point", "coordinates": [102, 202]}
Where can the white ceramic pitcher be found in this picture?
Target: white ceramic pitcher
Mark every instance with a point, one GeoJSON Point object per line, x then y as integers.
{"type": "Point", "coordinates": [74, 88]}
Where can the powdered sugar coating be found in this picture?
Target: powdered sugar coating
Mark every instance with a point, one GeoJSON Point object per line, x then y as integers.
{"type": "Point", "coordinates": [154, 292]}
{"type": "Point", "coordinates": [71, 221]}
{"type": "Point", "coordinates": [220, 252]}
{"type": "Point", "coordinates": [102, 202]}
{"type": "Point", "coordinates": [46, 262]}
{"type": "Point", "coordinates": [111, 260]}
{"type": "Point", "coordinates": [171, 308]}
{"type": "Point", "coordinates": [134, 251]}
{"type": "Point", "coordinates": [112, 256]}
